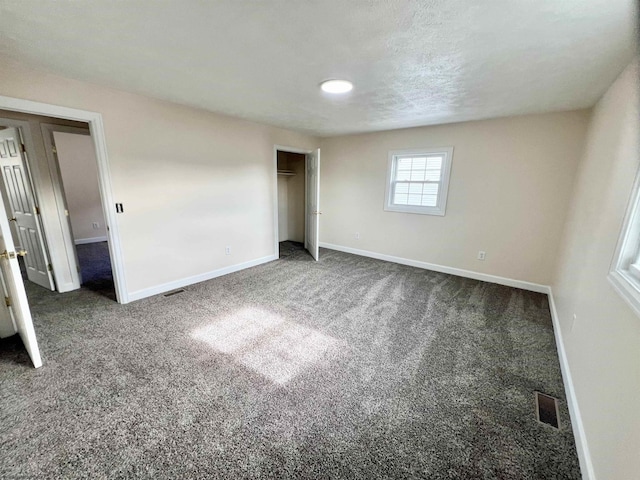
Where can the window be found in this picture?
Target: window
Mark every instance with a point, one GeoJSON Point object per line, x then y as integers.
{"type": "Point", "coordinates": [418, 180]}
{"type": "Point", "coordinates": [625, 268]}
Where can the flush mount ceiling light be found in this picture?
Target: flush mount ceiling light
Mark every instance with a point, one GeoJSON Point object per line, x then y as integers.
{"type": "Point", "coordinates": [336, 86]}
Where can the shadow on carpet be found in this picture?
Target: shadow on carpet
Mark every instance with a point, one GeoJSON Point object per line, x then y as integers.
{"type": "Point", "coordinates": [95, 267]}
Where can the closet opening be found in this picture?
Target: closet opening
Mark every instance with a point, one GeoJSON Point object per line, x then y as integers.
{"type": "Point", "coordinates": [291, 169]}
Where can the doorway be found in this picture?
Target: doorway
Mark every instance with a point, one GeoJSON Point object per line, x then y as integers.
{"type": "Point", "coordinates": [76, 252]}
{"type": "Point", "coordinates": [30, 118]}
{"type": "Point", "coordinates": [291, 203]}
{"type": "Point", "coordinates": [297, 201]}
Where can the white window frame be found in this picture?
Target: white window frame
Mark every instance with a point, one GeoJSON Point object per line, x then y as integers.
{"type": "Point", "coordinates": [624, 274]}
{"type": "Point", "coordinates": [443, 188]}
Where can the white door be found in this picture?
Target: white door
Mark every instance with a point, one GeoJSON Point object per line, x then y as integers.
{"type": "Point", "coordinates": [23, 208]}
{"type": "Point", "coordinates": [312, 239]}
{"type": "Point", "coordinates": [14, 310]}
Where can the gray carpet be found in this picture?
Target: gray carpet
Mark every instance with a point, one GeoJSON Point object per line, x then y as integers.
{"type": "Point", "coordinates": [346, 368]}
{"type": "Point", "coordinates": [95, 268]}
{"type": "Point", "coordinates": [289, 248]}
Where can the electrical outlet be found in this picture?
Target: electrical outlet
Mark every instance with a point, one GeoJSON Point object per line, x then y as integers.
{"type": "Point", "coordinates": [227, 250]}
{"type": "Point", "coordinates": [96, 225]}
{"type": "Point", "coordinates": [482, 255]}
{"type": "Point", "coordinates": [357, 235]}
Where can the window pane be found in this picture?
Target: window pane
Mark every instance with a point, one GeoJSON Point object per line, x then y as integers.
{"type": "Point", "coordinates": [434, 169]}
{"type": "Point", "coordinates": [404, 163]}
{"type": "Point", "coordinates": [434, 163]}
{"type": "Point", "coordinates": [419, 163]}
{"type": "Point", "coordinates": [415, 199]}
{"type": "Point", "coordinates": [417, 175]}
{"type": "Point", "coordinates": [432, 175]}
{"type": "Point", "coordinates": [402, 175]}
{"type": "Point", "coordinates": [415, 188]}
{"type": "Point", "coordinates": [431, 188]}
{"type": "Point", "coordinates": [429, 200]}
{"type": "Point", "coordinates": [402, 188]}
{"type": "Point", "coordinates": [400, 199]}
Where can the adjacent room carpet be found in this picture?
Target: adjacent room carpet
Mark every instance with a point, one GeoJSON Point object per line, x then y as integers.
{"type": "Point", "coordinates": [345, 368]}
{"type": "Point", "coordinates": [95, 268]}
{"type": "Point", "coordinates": [289, 248]}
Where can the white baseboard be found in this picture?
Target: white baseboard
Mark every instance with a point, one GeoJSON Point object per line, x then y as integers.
{"type": "Point", "coordinates": [485, 277]}
{"type": "Point", "coordinates": [167, 287]}
{"type": "Point", "coordinates": [586, 465]}
{"type": "Point", "coordinates": [82, 241]}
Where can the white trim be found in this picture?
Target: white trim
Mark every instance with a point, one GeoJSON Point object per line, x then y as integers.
{"type": "Point", "coordinates": [96, 128]}
{"type": "Point", "coordinates": [625, 287]}
{"type": "Point", "coordinates": [83, 241]}
{"type": "Point", "coordinates": [445, 176]}
{"type": "Point", "coordinates": [167, 287]}
{"type": "Point", "coordinates": [623, 271]}
{"type": "Point", "coordinates": [282, 148]}
{"type": "Point", "coordinates": [485, 277]}
{"type": "Point", "coordinates": [584, 457]}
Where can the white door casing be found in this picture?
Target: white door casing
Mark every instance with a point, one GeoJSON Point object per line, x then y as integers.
{"type": "Point", "coordinates": [312, 237]}
{"type": "Point", "coordinates": [22, 207]}
{"type": "Point", "coordinates": [13, 290]}
{"type": "Point", "coordinates": [306, 153]}
{"type": "Point", "coordinates": [96, 128]}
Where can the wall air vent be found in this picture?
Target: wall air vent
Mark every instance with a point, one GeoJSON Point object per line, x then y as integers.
{"type": "Point", "coordinates": [175, 292]}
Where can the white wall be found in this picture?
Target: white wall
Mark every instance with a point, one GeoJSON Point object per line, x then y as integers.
{"type": "Point", "coordinates": [79, 171]}
{"type": "Point", "coordinates": [191, 181]}
{"type": "Point", "coordinates": [283, 208]}
{"type": "Point", "coordinates": [603, 344]}
{"type": "Point", "coordinates": [296, 198]}
{"type": "Point", "coordinates": [511, 181]}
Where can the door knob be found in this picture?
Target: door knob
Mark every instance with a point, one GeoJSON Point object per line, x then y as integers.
{"type": "Point", "coordinates": [13, 219]}
{"type": "Point", "coordinates": [20, 253]}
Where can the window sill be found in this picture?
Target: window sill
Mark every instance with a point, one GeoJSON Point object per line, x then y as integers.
{"type": "Point", "coordinates": [419, 210]}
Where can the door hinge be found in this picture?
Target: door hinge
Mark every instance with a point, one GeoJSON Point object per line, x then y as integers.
{"type": "Point", "coordinates": [7, 301]}
{"type": "Point", "coordinates": [37, 210]}
{"type": "Point", "coordinates": [50, 267]}
{"type": "Point", "coordinates": [22, 147]}
{"type": "Point", "coordinates": [54, 149]}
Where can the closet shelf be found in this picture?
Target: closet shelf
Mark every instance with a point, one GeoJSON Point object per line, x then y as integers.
{"type": "Point", "coordinates": [286, 173]}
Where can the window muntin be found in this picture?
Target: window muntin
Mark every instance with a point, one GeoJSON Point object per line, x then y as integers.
{"type": "Point", "coordinates": [417, 180]}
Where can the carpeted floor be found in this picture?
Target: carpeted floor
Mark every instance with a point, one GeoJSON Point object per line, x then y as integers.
{"type": "Point", "coordinates": [345, 368]}
{"type": "Point", "coordinates": [290, 248]}
{"type": "Point", "coordinates": [95, 268]}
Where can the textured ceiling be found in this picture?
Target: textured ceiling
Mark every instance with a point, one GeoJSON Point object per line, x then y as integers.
{"type": "Point", "coordinates": [412, 62]}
